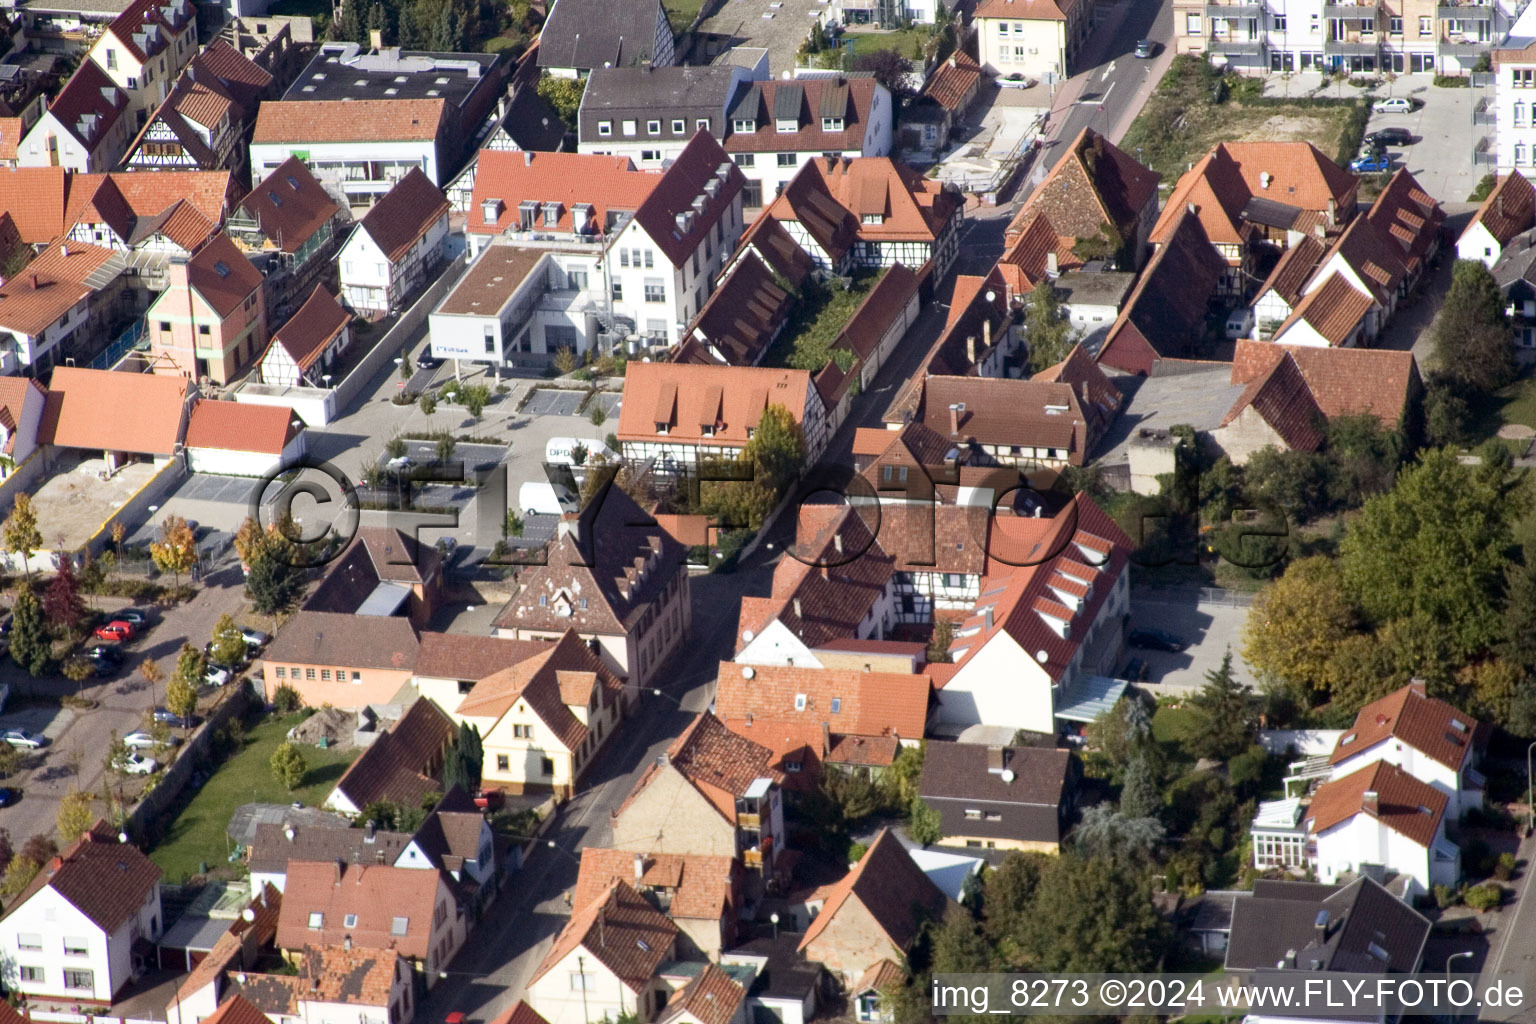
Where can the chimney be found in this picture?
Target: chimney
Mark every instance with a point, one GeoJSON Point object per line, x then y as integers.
{"type": "Point", "coordinates": [1333, 213]}
{"type": "Point", "coordinates": [986, 335]}
{"type": "Point", "coordinates": [970, 349]}
{"type": "Point", "coordinates": [639, 866]}
{"type": "Point", "coordinates": [837, 542]}
{"type": "Point", "coordinates": [370, 831]}
{"type": "Point", "coordinates": [376, 38]}
{"type": "Point", "coordinates": [797, 608]}
{"type": "Point", "coordinates": [602, 934]}
{"type": "Point", "coordinates": [289, 833]}
{"type": "Point", "coordinates": [995, 759]}
{"type": "Point", "coordinates": [1051, 266]}
{"type": "Point", "coordinates": [954, 417]}
{"type": "Point", "coordinates": [527, 158]}
{"type": "Point", "coordinates": [1191, 208]}
{"type": "Point", "coordinates": [645, 67]}
{"type": "Point", "coordinates": [346, 943]}
{"type": "Point", "coordinates": [34, 282]}
{"type": "Point", "coordinates": [58, 862]}
{"type": "Point", "coordinates": [826, 739]}
{"type": "Point", "coordinates": [1370, 802]}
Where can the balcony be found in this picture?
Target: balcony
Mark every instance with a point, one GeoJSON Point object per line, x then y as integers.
{"type": "Point", "coordinates": [1465, 12]}
{"type": "Point", "coordinates": [1218, 9]}
{"type": "Point", "coordinates": [754, 821]}
{"type": "Point", "coordinates": [1461, 47]}
{"type": "Point", "coordinates": [1227, 47]}
{"type": "Point", "coordinates": [752, 859]}
{"type": "Point", "coordinates": [1358, 12]}
{"type": "Point", "coordinates": [1360, 46]}
{"type": "Point", "coordinates": [1485, 113]}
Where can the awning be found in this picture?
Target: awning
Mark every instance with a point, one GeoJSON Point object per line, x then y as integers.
{"type": "Point", "coordinates": [1088, 698]}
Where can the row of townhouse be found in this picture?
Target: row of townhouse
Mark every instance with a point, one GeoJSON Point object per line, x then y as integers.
{"type": "Point", "coordinates": [1363, 36]}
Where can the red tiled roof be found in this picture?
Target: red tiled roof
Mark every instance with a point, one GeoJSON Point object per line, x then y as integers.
{"type": "Point", "coordinates": [1509, 209]}
{"type": "Point", "coordinates": [954, 83]}
{"type": "Point", "coordinates": [880, 978]}
{"type": "Point", "coordinates": [383, 120]}
{"type": "Point", "coordinates": [1168, 305]}
{"type": "Point", "coordinates": [891, 887]}
{"type": "Point", "coordinates": [405, 214]}
{"type": "Point", "coordinates": [54, 283]}
{"type": "Point", "coordinates": [1026, 10]}
{"type": "Point", "coordinates": [711, 997]}
{"type": "Point", "coordinates": [519, 1013]}
{"type": "Point", "coordinates": [700, 887]}
{"type": "Point", "coordinates": [1410, 217]}
{"type": "Point", "coordinates": [105, 880]}
{"type": "Point", "coordinates": [376, 894]}
{"type": "Point", "coordinates": [1344, 381]}
{"type": "Point", "coordinates": [1283, 400]}
{"type": "Point", "coordinates": [702, 161]}
{"type": "Point", "coordinates": [717, 762]}
{"type": "Point", "coordinates": [622, 932]}
{"type": "Point", "coordinates": [854, 96]}
{"type": "Point", "coordinates": [36, 198]}
{"type": "Point", "coordinates": [540, 682]}
{"type": "Point", "coordinates": [470, 656]}
{"type": "Point", "coordinates": [236, 1010]}
{"type": "Point", "coordinates": [1373, 255]}
{"type": "Point", "coordinates": [1094, 184]}
{"type": "Point", "coordinates": [507, 178]}
{"type": "Point", "coordinates": [136, 28]}
{"type": "Point", "coordinates": [395, 766]}
{"type": "Point", "coordinates": [289, 204]}
{"type": "Point", "coordinates": [89, 105]}
{"type": "Point", "coordinates": [222, 275]}
{"type": "Point", "coordinates": [866, 703]}
{"type": "Point", "coordinates": [1008, 412]}
{"type": "Point", "coordinates": [1334, 310]}
{"type": "Point", "coordinates": [1404, 804]}
{"type": "Point", "coordinates": [1294, 269]}
{"type": "Point", "coordinates": [1032, 241]}
{"type": "Point", "coordinates": [108, 411]}
{"type": "Point", "coordinates": [729, 399]}
{"type": "Point", "coordinates": [314, 326]}
{"type": "Point", "coordinates": [743, 314]}
{"type": "Point", "coordinates": [1431, 727]}
{"type": "Point", "coordinates": [878, 312]}
{"type": "Point", "coordinates": [240, 427]}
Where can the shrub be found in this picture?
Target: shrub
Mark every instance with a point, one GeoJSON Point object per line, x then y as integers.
{"type": "Point", "coordinates": [1445, 896]}
{"type": "Point", "coordinates": [1452, 81]}
{"type": "Point", "coordinates": [1484, 188]}
{"type": "Point", "coordinates": [1504, 867]}
{"type": "Point", "coordinates": [856, 852]}
{"type": "Point", "coordinates": [1485, 897]}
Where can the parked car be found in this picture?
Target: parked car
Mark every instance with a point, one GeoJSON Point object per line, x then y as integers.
{"type": "Point", "coordinates": [1239, 323]}
{"type": "Point", "coordinates": [138, 764]}
{"type": "Point", "coordinates": [138, 617]}
{"type": "Point", "coordinates": [1370, 162]}
{"type": "Point", "coordinates": [24, 739]}
{"type": "Point", "coordinates": [1135, 671]}
{"type": "Point", "coordinates": [255, 637]}
{"type": "Point", "coordinates": [217, 675]}
{"type": "Point", "coordinates": [1394, 105]}
{"type": "Point", "coordinates": [400, 464]}
{"type": "Point", "coordinates": [99, 667]}
{"type": "Point", "coordinates": [104, 652]}
{"type": "Point", "coordinates": [1391, 137]}
{"type": "Point", "coordinates": [171, 719]}
{"type": "Point", "coordinates": [143, 740]}
{"type": "Point", "coordinates": [117, 630]}
{"type": "Point", "coordinates": [7, 796]}
{"type": "Point", "coordinates": [490, 799]}
{"type": "Point", "coordinates": [1145, 48]}
{"type": "Point", "coordinates": [427, 361]}
{"type": "Point", "coordinates": [1157, 640]}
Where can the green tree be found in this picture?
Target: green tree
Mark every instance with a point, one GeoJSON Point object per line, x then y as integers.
{"type": "Point", "coordinates": [1106, 834]}
{"type": "Point", "coordinates": [22, 536]}
{"type": "Point", "coordinates": [191, 666]}
{"type": "Point", "coordinates": [562, 94]}
{"type": "Point", "coordinates": [1297, 623]}
{"type": "Point", "coordinates": [1447, 413]}
{"type": "Point", "coordinates": [176, 550]}
{"type": "Point", "coordinates": [272, 584]}
{"type": "Point", "coordinates": [1473, 339]}
{"type": "Point", "coordinates": [428, 403]}
{"type": "Point", "coordinates": [1123, 733]}
{"type": "Point", "coordinates": [62, 603]}
{"type": "Point", "coordinates": [288, 766]}
{"type": "Point", "coordinates": [287, 700]}
{"type": "Point", "coordinates": [1140, 796]}
{"type": "Point", "coordinates": [18, 875]}
{"type": "Point", "coordinates": [181, 698]}
{"type": "Point", "coordinates": [75, 816]}
{"type": "Point", "coordinates": [1295, 482]}
{"type": "Point", "coordinates": [474, 753]}
{"type": "Point", "coordinates": [1047, 328]}
{"type": "Point", "coordinates": [349, 27]}
{"type": "Point", "coordinates": [115, 761]}
{"type": "Point", "coordinates": [1434, 546]}
{"type": "Point", "coordinates": [777, 448]}
{"type": "Point", "coordinates": [901, 779]}
{"type": "Point", "coordinates": [889, 68]}
{"type": "Point", "coordinates": [10, 763]}
{"type": "Point", "coordinates": [1224, 715]}
{"type": "Point", "coordinates": [31, 646]}
{"type": "Point", "coordinates": [1362, 458]}
{"type": "Point", "coordinates": [923, 824]}
{"type": "Point", "coordinates": [1518, 641]}
{"type": "Point", "coordinates": [475, 398]}
{"type": "Point", "coordinates": [229, 646]}
{"type": "Point", "coordinates": [1089, 915]}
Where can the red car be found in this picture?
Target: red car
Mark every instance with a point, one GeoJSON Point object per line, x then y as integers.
{"type": "Point", "coordinates": [115, 630]}
{"type": "Point", "coordinates": [490, 799]}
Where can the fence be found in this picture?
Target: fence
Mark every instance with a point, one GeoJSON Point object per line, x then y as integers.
{"type": "Point", "coordinates": [120, 347]}
{"type": "Point", "coordinates": [1230, 598]}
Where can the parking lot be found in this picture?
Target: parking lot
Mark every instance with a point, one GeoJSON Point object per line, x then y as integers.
{"type": "Point", "coordinates": [609, 402]}
{"type": "Point", "coordinates": [554, 402]}
{"type": "Point", "coordinates": [218, 504]}
{"type": "Point", "coordinates": [1210, 628]}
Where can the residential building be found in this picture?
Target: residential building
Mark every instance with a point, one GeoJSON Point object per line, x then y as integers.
{"type": "Point", "coordinates": [1092, 299]}
{"type": "Point", "coordinates": [525, 122]}
{"type": "Point", "coordinates": [714, 995]}
{"type": "Point", "coordinates": [605, 960]}
{"type": "Point", "coordinates": [413, 913]}
{"type": "Point", "coordinates": [544, 719]}
{"type": "Point", "coordinates": [210, 323]}
{"type": "Point", "coordinates": [371, 984]}
{"type": "Point", "coordinates": [400, 765]}
{"type": "Point", "coordinates": [1360, 927]}
{"type": "Point", "coordinates": [817, 719]}
{"type": "Point", "coordinates": [1412, 220]}
{"type": "Point", "coordinates": [21, 420]}
{"type": "Point", "coordinates": [77, 930]}
{"type": "Point", "coordinates": [1047, 626]}
{"type": "Point", "coordinates": [777, 127]}
{"type": "Point", "coordinates": [394, 248]}
{"type": "Point", "coordinates": [1509, 210]}
{"type": "Point", "coordinates": [786, 984]}
{"type": "Point", "coordinates": [384, 571]}
{"type": "Point", "coordinates": [309, 345]}
{"type": "Point", "coordinates": [701, 895]}
{"type": "Point", "coordinates": [873, 913]}
{"type": "Point", "coordinates": [60, 307]}
{"type": "Point", "coordinates": [156, 216]}
{"type": "Point", "coordinates": [979, 338]}
{"type": "Point", "coordinates": [1514, 65]}
{"type": "Point", "coordinates": [86, 128]}
{"type": "Point", "coordinates": [291, 227]}
{"type": "Point", "coordinates": [456, 838]}
{"type": "Point", "coordinates": [1276, 410]}
{"type": "Point", "coordinates": [143, 50]}
{"type": "Point", "coordinates": [946, 97]}
{"type": "Point", "coordinates": [650, 113]}
{"type": "Point", "coordinates": [1034, 39]}
{"type": "Point", "coordinates": [619, 585]}
{"type": "Point", "coordinates": [740, 320]}
{"type": "Point", "coordinates": [670, 253]}
{"type": "Point", "coordinates": [346, 661]}
{"type": "Point", "coordinates": [1425, 737]}
{"type": "Point", "coordinates": [448, 665]}
{"type": "Point", "coordinates": [1515, 273]}
{"type": "Point", "coordinates": [239, 439]}
{"type": "Point", "coordinates": [125, 416]}
{"type": "Point", "coordinates": [999, 798]}
{"type": "Point", "coordinates": [868, 990]}
{"type": "Point", "coordinates": [713, 794]}
{"type": "Point", "coordinates": [1380, 814]}
{"type": "Point", "coordinates": [681, 414]}
{"type": "Point", "coordinates": [202, 993]}
{"type": "Point", "coordinates": [276, 845]}
{"type": "Point", "coordinates": [585, 35]}
{"type": "Point", "coordinates": [561, 198]}
{"type": "Point", "coordinates": [205, 119]}
{"type": "Point", "coordinates": [1101, 198]}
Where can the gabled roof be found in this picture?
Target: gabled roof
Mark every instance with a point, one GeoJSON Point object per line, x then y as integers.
{"type": "Point", "coordinates": [519, 1013]}
{"type": "Point", "coordinates": [770, 240]}
{"type": "Point", "coordinates": [105, 880]}
{"type": "Point", "coordinates": [54, 283]}
{"type": "Point", "coordinates": [405, 214]}
{"type": "Point", "coordinates": [1334, 310]}
{"type": "Point", "coordinates": [1008, 412]}
{"type": "Point", "coordinates": [1026, 10]}
{"type": "Point", "coordinates": [879, 311]}
{"type": "Point", "coordinates": [1373, 255]}
{"type": "Point", "coordinates": [913, 208]}
{"type": "Point", "coordinates": [147, 26]}
{"type": "Point", "coordinates": [1027, 259]}
{"type": "Point", "coordinates": [312, 328]}
{"type": "Point", "coordinates": [276, 844]}
{"type": "Point", "coordinates": [542, 682]}
{"type": "Point", "coordinates": [711, 997]}
{"type": "Point", "coordinates": [954, 83]}
{"type": "Point", "coordinates": [1430, 726]}
{"type": "Point", "coordinates": [1100, 400]}
{"type": "Point", "coordinates": [394, 767]}
{"type": "Point", "coordinates": [108, 411]}
{"type": "Point", "coordinates": [807, 101]}
{"type": "Point", "coordinates": [241, 427]}
{"type": "Point", "coordinates": [808, 201]}
{"type": "Point", "coordinates": [377, 554]}
{"type": "Point", "coordinates": [1094, 183]}
{"type": "Point", "coordinates": [352, 641]}
{"type": "Point", "coordinates": [891, 888]}
{"type": "Point", "coordinates": [845, 701]}
{"type": "Point", "coordinates": [467, 656]}
{"type": "Point", "coordinates": [393, 907]}
{"type": "Point", "coordinates": [1411, 808]}
{"type": "Point", "coordinates": [961, 776]}
{"type": "Point", "coordinates": [1283, 400]}
{"type": "Point", "coordinates": [593, 33]}
{"type": "Point", "coordinates": [730, 400]}
{"type": "Point", "coordinates": [700, 887]}
{"type": "Point", "coordinates": [234, 1010]}
{"type": "Point", "coordinates": [452, 831]}
{"type": "Point", "coordinates": [691, 196]}
{"type": "Point", "coordinates": [506, 178]}
{"type": "Point", "coordinates": [1410, 217]}
{"type": "Point", "coordinates": [717, 762]}
{"type": "Point", "coordinates": [1294, 269]}
{"type": "Point", "coordinates": [743, 314]}
{"type": "Point", "coordinates": [619, 930]}
{"type": "Point", "coordinates": [1509, 209]}
{"type": "Point", "coordinates": [381, 120]}
{"type": "Point", "coordinates": [89, 105]}
{"type": "Point", "coordinates": [222, 275]}
{"type": "Point", "coordinates": [289, 205]}
{"type": "Point", "coordinates": [1364, 928]}
{"type": "Point", "coordinates": [1343, 381]}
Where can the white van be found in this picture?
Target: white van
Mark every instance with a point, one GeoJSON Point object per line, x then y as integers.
{"type": "Point", "coordinates": [1239, 323]}
{"type": "Point", "coordinates": [557, 450]}
{"type": "Point", "coordinates": [539, 498]}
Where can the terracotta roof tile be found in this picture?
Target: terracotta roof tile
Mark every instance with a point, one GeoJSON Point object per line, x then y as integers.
{"type": "Point", "coordinates": [1281, 397]}
{"type": "Point", "coordinates": [1032, 239]}
{"type": "Point", "coordinates": [1009, 412]}
{"type": "Point", "coordinates": [11, 131]}
{"type": "Point", "coordinates": [846, 701]}
{"type": "Point", "coordinates": [537, 681]}
{"type": "Point", "coordinates": [468, 657]}
{"type": "Point", "coordinates": [54, 283]}
{"type": "Point", "coordinates": [878, 312]}
{"type": "Point", "coordinates": [397, 765]}
{"type": "Point", "coordinates": [36, 198]}
{"type": "Point", "coordinates": [1029, 10]}
{"type": "Point", "coordinates": [1334, 310]}
{"type": "Point", "coordinates": [1294, 269]}
{"type": "Point", "coordinates": [720, 764]}
{"type": "Point", "coordinates": [222, 275]}
{"type": "Point", "coordinates": [881, 977]}
{"type": "Point", "coordinates": [353, 641]}
{"type": "Point", "coordinates": [405, 214]}
{"type": "Point", "coordinates": [770, 240]}
{"type": "Point", "coordinates": [313, 327]}
{"type": "Point", "coordinates": [679, 395]}
{"type": "Point", "coordinates": [508, 178]}
{"type": "Point", "coordinates": [743, 314]}
{"type": "Point", "coordinates": [108, 411]}
{"type": "Point", "coordinates": [89, 105]}
{"type": "Point", "coordinates": [619, 930]}
{"type": "Point", "coordinates": [1410, 217]}
{"type": "Point", "coordinates": [105, 880]}
{"type": "Point", "coordinates": [1404, 804]}
{"type": "Point", "coordinates": [891, 887]}
{"type": "Point", "coordinates": [518, 1013]}
{"type": "Point", "coordinates": [1509, 209]}
{"type": "Point", "coordinates": [1430, 726]}
{"type": "Point", "coordinates": [711, 997]}
{"type": "Point", "coordinates": [149, 195]}
{"type": "Point", "coordinates": [809, 136]}
{"type": "Point", "coordinates": [146, 27]}
{"type": "Point", "coordinates": [288, 204]}
{"type": "Point", "coordinates": [1343, 381]}
{"type": "Point", "coordinates": [701, 888]}
{"type": "Point", "coordinates": [355, 976]}
{"type": "Point", "coordinates": [1095, 183]}
{"type": "Point", "coordinates": [377, 895]}
{"type": "Point", "coordinates": [955, 82]}
{"type": "Point", "coordinates": [237, 426]}
{"type": "Point", "coordinates": [391, 120]}
{"type": "Point", "coordinates": [237, 1010]}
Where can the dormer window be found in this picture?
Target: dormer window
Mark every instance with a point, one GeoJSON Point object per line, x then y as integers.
{"type": "Point", "coordinates": [662, 428]}
{"type": "Point", "coordinates": [706, 430]}
{"type": "Point", "coordinates": [527, 214]}
{"type": "Point", "coordinates": [605, 128]}
{"type": "Point", "coordinates": [874, 218]}
{"type": "Point", "coordinates": [744, 124]}
{"type": "Point", "coordinates": [551, 214]}
{"type": "Point", "coordinates": [784, 125]}
{"type": "Point", "coordinates": [653, 127]}
{"type": "Point", "coordinates": [831, 124]}
{"type": "Point", "coordinates": [490, 210]}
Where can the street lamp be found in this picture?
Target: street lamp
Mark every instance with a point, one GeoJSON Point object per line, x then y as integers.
{"type": "Point", "coordinates": [1451, 958]}
{"type": "Point", "coordinates": [1529, 803]}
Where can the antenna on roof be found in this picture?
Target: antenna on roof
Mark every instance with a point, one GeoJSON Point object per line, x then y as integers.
{"type": "Point", "coordinates": [1042, 656]}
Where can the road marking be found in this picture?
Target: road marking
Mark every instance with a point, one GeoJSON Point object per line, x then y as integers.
{"type": "Point", "coordinates": [1105, 97]}
{"type": "Point", "coordinates": [1108, 69]}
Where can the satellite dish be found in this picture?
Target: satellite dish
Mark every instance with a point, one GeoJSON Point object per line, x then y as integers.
{"type": "Point", "coordinates": [1042, 656]}
{"type": "Point", "coordinates": [747, 672]}
{"type": "Point", "coordinates": [122, 837]}
{"type": "Point", "coordinates": [247, 915]}
{"type": "Point", "coordinates": [747, 635]}
{"type": "Point", "coordinates": [1008, 775]}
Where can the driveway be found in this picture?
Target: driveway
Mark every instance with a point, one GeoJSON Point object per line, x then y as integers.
{"type": "Point", "coordinates": [1211, 628]}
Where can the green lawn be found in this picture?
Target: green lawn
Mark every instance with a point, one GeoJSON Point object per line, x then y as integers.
{"type": "Point", "coordinates": [819, 316]}
{"type": "Point", "coordinates": [680, 14]}
{"type": "Point", "coordinates": [198, 833]}
{"type": "Point", "coordinates": [1170, 728]}
{"type": "Point", "coordinates": [1515, 404]}
{"type": "Point", "coordinates": [902, 41]}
